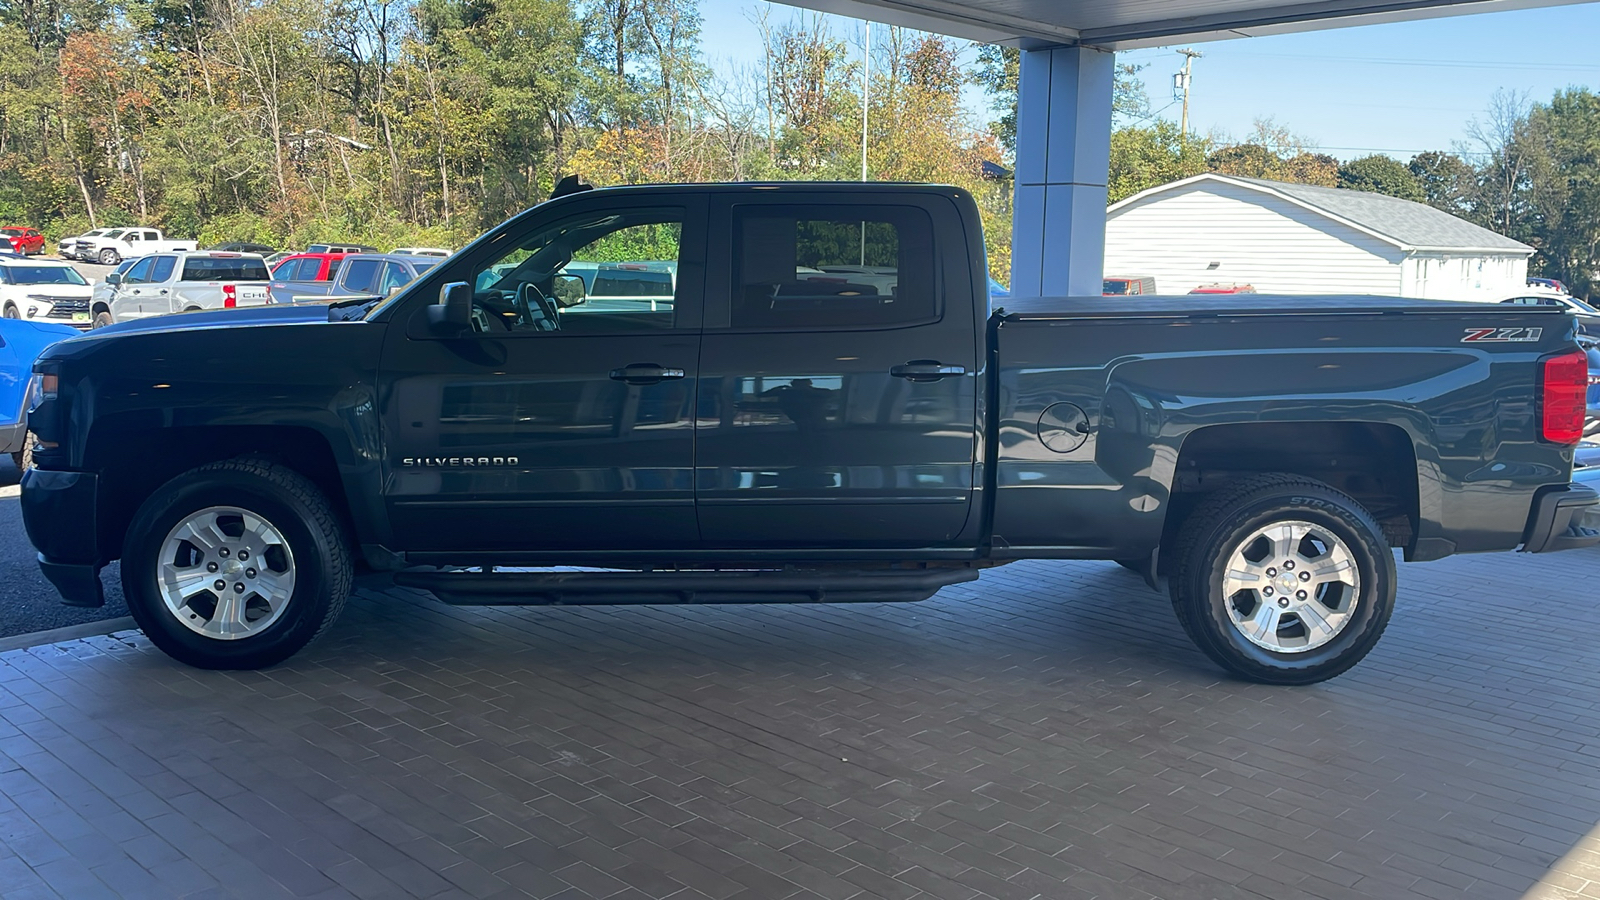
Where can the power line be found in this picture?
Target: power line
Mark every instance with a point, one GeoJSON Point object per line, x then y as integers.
{"type": "Point", "coordinates": [1420, 63]}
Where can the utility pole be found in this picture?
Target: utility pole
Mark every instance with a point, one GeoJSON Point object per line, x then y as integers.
{"type": "Point", "coordinates": [1181, 83]}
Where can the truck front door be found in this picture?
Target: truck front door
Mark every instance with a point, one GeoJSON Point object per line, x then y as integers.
{"type": "Point", "coordinates": [837, 402]}
{"type": "Point", "coordinates": [551, 426]}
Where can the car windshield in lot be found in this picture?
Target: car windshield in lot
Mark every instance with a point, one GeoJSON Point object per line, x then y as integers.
{"type": "Point", "coordinates": [211, 268]}
{"type": "Point", "coordinates": [44, 275]}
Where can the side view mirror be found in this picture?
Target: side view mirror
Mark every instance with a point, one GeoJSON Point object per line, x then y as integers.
{"type": "Point", "coordinates": [568, 290]}
{"type": "Point", "coordinates": [453, 313]}
{"type": "Point", "coordinates": [114, 278]}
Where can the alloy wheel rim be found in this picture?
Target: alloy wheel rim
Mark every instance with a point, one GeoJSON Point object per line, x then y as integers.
{"type": "Point", "coordinates": [1291, 587]}
{"type": "Point", "coordinates": [225, 573]}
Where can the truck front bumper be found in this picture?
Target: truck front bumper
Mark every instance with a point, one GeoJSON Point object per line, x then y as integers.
{"type": "Point", "coordinates": [1564, 517]}
{"type": "Point", "coordinates": [59, 512]}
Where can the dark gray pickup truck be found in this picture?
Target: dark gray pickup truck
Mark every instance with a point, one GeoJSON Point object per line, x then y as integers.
{"type": "Point", "coordinates": [825, 408]}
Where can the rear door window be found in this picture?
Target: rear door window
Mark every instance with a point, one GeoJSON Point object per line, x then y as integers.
{"type": "Point", "coordinates": [820, 266]}
{"type": "Point", "coordinates": [224, 268]}
{"type": "Point", "coordinates": [361, 276]}
{"type": "Point", "coordinates": [162, 269]}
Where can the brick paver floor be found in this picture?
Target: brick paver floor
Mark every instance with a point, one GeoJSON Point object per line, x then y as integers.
{"type": "Point", "coordinates": [1045, 732]}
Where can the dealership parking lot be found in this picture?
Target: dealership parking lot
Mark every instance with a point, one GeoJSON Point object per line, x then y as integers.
{"type": "Point", "coordinates": [1044, 732]}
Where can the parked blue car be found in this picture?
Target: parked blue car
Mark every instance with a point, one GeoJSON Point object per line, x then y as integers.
{"type": "Point", "coordinates": [21, 342]}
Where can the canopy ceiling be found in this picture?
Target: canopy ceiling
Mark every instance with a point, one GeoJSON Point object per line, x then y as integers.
{"type": "Point", "coordinates": [1130, 24]}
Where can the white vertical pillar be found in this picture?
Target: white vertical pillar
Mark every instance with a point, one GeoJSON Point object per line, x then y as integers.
{"type": "Point", "coordinates": [1058, 232]}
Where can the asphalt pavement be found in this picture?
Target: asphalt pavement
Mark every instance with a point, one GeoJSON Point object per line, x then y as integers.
{"type": "Point", "coordinates": [27, 601]}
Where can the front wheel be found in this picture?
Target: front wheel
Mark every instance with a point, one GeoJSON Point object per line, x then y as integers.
{"type": "Point", "coordinates": [1283, 580]}
{"type": "Point", "coordinates": [101, 319]}
{"type": "Point", "coordinates": [109, 258]}
{"type": "Point", "coordinates": [11, 311]}
{"type": "Point", "coordinates": [235, 565]}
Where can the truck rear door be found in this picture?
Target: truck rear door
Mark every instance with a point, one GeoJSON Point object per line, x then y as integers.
{"type": "Point", "coordinates": [837, 397]}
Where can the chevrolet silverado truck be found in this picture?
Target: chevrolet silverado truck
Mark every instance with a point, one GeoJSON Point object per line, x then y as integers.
{"type": "Point", "coordinates": [118, 244]}
{"type": "Point", "coordinates": [826, 409]}
{"type": "Point", "coordinates": [166, 283]}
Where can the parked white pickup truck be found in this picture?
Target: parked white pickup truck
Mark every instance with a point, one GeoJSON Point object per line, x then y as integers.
{"type": "Point", "coordinates": [182, 282]}
{"type": "Point", "coordinates": [119, 244]}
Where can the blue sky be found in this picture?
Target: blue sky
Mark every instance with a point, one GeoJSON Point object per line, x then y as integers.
{"type": "Point", "coordinates": [1386, 88]}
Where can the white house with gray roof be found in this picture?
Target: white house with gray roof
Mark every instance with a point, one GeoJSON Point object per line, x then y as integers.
{"type": "Point", "coordinates": [1301, 239]}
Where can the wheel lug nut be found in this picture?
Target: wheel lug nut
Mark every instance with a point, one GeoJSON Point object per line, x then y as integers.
{"type": "Point", "coordinates": [1301, 595]}
{"type": "Point", "coordinates": [238, 588]}
{"type": "Point", "coordinates": [244, 554]}
{"type": "Point", "coordinates": [211, 567]}
{"type": "Point", "coordinates": [1271, 572]}
{"type": "Point", "coordinates": [223, 552]}
{"type": "Point", "coordinates": [1305, 576]}
{"type": "Point", "coordinates": [1283, 602]}
{"type": "Point", "coordinates": [1267, 591]}
{"type": "Point", "coordinates": [249, 573]}
{"type": "Point", "coordinates": [221, 585]}
{"type": "Point", "coordinates": [1288, 566]}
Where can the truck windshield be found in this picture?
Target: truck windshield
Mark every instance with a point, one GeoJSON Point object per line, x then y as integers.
{"type": "Point", "coordinates": [44, 275]}
{"type": "Point", "coordinates": [213, 268]}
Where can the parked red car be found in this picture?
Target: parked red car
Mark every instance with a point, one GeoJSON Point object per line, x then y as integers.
{"type": "Point", "coordinates": [1224, 289]}
{"type": "Point", "coordinates": [21, 239]}
{"type": "Point", "coordinates": [304, 267]}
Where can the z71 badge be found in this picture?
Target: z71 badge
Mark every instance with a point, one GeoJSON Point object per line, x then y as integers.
{"type": "Point", "coordinates": [1501, 335]}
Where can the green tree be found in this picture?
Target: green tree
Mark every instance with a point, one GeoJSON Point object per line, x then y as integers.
{"type": "Point", "coordinates": [1147, 156]}
{"type": "Point", "coordinates": [1380, 174]}
{"type": "Point", "coordinates": [1448, 182]}
{"type": "Point", "coordinates": [1561, 147]}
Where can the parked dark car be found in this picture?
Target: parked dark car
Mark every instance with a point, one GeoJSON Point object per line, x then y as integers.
{"type": "Point", "coordinates": [244, 247]}
{"type": "Point", "coordinates": [375, 274]}
{"type": "Point", "coordinates": [827, 409]}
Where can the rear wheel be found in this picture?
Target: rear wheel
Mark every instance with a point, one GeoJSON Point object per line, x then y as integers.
{"type": "Point", "coordinates": [235, 565]}
{"type": "Point", "coordinates": [1283, 580]}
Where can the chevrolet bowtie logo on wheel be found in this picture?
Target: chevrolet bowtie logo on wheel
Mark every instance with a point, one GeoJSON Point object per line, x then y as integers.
{"type": "Point", "coordinates": [457, 461]}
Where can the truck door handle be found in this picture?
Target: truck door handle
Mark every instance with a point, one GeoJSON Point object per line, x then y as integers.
{"type": "Point", "coordinates": [921, 370]}
{"type": "Point", "coordinates": [645, 373]}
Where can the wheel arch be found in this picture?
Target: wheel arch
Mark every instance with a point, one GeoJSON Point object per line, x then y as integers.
{"type": "Point", "coordinates": [166, 452]}
{"type": "Point", "coordinates": [1373, 462]}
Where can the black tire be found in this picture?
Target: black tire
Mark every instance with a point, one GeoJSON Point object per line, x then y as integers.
{"type": "Point", "coordinates": [101, 320]}
{"type": "Point", "coordinates": [1221, 525]}
{"type": "Point", "coordinates": [12, 312]}
{"type": "Point", "coordinates": [308, 526]}
{"type": "Point", "coordinates": [109, 257]}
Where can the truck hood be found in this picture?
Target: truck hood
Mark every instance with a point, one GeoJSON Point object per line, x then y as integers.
{"type": "Point", "coordinates": [244, 316]}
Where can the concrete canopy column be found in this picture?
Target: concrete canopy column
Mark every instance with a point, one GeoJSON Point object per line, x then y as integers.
{"type": "Point", "coordinates": [1058, 230]}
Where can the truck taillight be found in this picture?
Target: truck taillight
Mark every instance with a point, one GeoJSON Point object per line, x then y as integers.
{"type": "Point", "coordinates": [230, 296]}
{"type": "Point", "coordinates": [1563, 387]}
